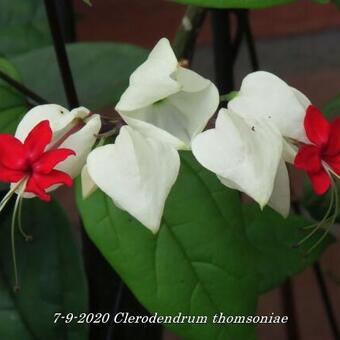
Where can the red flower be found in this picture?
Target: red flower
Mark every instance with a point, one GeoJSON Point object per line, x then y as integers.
{"type": "Point", "coordinates": [323, 156]}
{"type": "Point", "coordinates": [30, 162]}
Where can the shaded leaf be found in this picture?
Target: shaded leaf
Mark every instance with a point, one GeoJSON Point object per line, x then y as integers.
{"type": "Point", "coordinates": [51, 276]}
{"type": "Point", "coordinates": [12, 104]}
{"type": "Point", "coordinates": [23, 26]}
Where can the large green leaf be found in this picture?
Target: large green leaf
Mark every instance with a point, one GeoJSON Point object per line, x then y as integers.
{"type": "Point", "coordinates": [199, 262]}
{"type": "Point", "coordinates": [12, 104]}
{"type": "Point", "coordinates": [51, 277]}
{"type": "Point", "coordinates": [101, 72]}
{"type": "Point", "coordinates": [240, 3]}
{"type": "Point", "coordinates": [23, 26]}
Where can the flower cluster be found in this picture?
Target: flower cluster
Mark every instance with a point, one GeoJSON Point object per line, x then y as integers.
{"type": "Point", "coordinates": [166, 108]}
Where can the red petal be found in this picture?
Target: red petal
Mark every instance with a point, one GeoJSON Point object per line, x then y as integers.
{"type": "Point", "coordinates": [33, 187]}
{"type": "Point", "coordinates": [334, 163]}
{"type": "Point", "coordinates": [12, 152]}
{"type": "Point", "coordinates": [10, 175]}
{"type": "Point", "coordinates": [308, 158]}
{"type": "Point", "coordinates": [316, 125]}
{"type": "Point", "coordinates": [37, 140]}
{"type": "Point", "coordinates": [50, 159]}
{"type": "Point", "coordinates": [333, 146]}
{"type": "Point", "coordinates": [320, 181]}
{"type": "Point", "coordinates": [54, 177]}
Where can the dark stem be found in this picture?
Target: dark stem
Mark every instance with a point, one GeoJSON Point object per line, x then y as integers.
{"type": "Point", "coordinates": [223, 50]}
{"type": "Point", "coordinates": [116, 308]}
{"type": "Point", "coordinates": [239, 34]}
{"type": "Point", "coordinates": [60, 50]}
{"type": "Point", "coordinates": [289, 310]}
{"type": "Point", "coordinates": [22, 89]}
{"type": "Point", "coordinates": [250, 42]}
{"type": "Point", "coordinates": [186, 35]}
{"type": "Point", "coordinates": [326, 300]}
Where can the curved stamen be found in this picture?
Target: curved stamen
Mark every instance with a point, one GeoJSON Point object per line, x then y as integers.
{"type": "Point", "coordinates": [330, 224]}
{"type": "Point", "coordinates": [27, 237]}
{"type": "Point", "coordinates": [320, 224]}
{"type": "Point", "coordinates": [9, 194]}
{"type": "Point", "coordinates": [21, 190]}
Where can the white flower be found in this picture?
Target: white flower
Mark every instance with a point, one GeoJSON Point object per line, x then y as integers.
{"type": "Point", "coordinates": [75, 130]}
{"type": "Point", "coordinates": [246, 154]}
{"type": "Point", "coordinates": [165, 106]}
{"type": "Point", "coordinates": [137, 172]}
{"type": "Point", "coordinates": [166, 101]}
{"type": "Point", "coordinates": [265, 96]}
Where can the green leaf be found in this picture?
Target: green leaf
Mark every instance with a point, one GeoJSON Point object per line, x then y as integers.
{"type": "Point", "coordinates": [101, 72]}
{"type": "Point", "coordinates": [235, 3]}
{"type": "Point", "coordinates": [23, 26]}
{"type": "Point", "coordinates": [12, 104]}
{"type": "Point", "coordinates": [272, 237]}
{"type": "Point", "coordinates": [203, 260]}
{"type": "Point", "coordinates": [88, 2]}
{"type": "Point", "coordinates": [198, 263]}
{"type": "Point", "coordinates": [51, 276]}
{"type": "Point", "coordinates": [241, 3]}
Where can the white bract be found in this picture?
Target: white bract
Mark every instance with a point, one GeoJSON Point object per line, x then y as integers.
{"type": "Point", "coordinates": [166, 101]}
{"type": "Point", "coordinates": [165, 106]}
{"type": "Point", "coordinates": [245, 154]}
{"type": "Point", "coordinates": [137, 173]}
{"type": "Point", "coordinates": [265, 96]}
{"type": "Point", "coordinates": [75, 130]}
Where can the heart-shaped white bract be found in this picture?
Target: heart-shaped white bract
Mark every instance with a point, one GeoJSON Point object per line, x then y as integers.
{"type": "Point", "coordinates": [244, 154]}
{"type": "Point", "coordinates": [76, 130]}
{"type": "Point", "coordinates": [166, 101]}
{"type": "Point", "coordinates": [137, 172]}
{"type": "Point", "coordinates": [265, 96]}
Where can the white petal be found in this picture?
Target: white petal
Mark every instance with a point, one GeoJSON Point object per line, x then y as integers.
{"type": "Point", "coordinates": [244, 154]}
{"type": "Point", "coordinates": [264, 95]}
{"type": "Point", "coordinates": [191, 81]}
{"type": "Point", "coordinates": [137, 173]}
{"type": "Point", "coordinates": [51, 112]}
{"type": "Point", "coordinates": [178, 118]}
{"type": "Point", "coordinates": [88, 186]}
{"type": "Point", "coordinates": [289, 152]}
{"type": "Point", "coordinates": [152, 80]}
{"type": "Point", "coordinates": [280, 199]}
{"type": "Point", "coordinates": [81, 142]}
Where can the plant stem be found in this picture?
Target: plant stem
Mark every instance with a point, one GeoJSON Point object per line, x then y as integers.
{"type": "Point", "coordinates": [186, 36]}
{"type": "Point", "coordinates": [60, 50]}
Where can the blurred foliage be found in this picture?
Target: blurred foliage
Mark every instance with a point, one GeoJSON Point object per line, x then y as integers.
{"type": "Point", "coordinates": [101, 72]}
{"type": "Point", "coordinates": [12, 104]}
{"type": "Point", "coordinates": [51, 276]}
{"type": "Point", "coordinates": [23, 26]}
{"type": "Point", "coordinates": [242, 3]}
{"type": "Point", "coordinates": [223, 253]}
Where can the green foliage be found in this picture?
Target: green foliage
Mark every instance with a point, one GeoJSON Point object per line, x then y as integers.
{"type": "Point", "coordinates": [51, 277]}
{"type": "Point", "coordinates": [241, 3]}
{"type": "Point", "coordinates": [12, 104]}
{"type": "Point", "coordinates": [205, 259]}
{"type": "Point", "coordinates": [101, 72]}
{"type": "Point", "coordinates": [23, 26]}
{"type": "Point", "coordinates": [271, 238]}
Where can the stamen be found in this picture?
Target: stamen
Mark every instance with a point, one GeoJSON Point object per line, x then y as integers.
{"type": "Point", "coordinates": [27, 237]}
{"type": "Point", "coordinates": [9, 194]}
{"type": "Point", "coordinates": [21, 188]}
{"type": "Point", "coordinates": [336, 212]}
{"type": "Point", "coordinates": [319, 225]}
